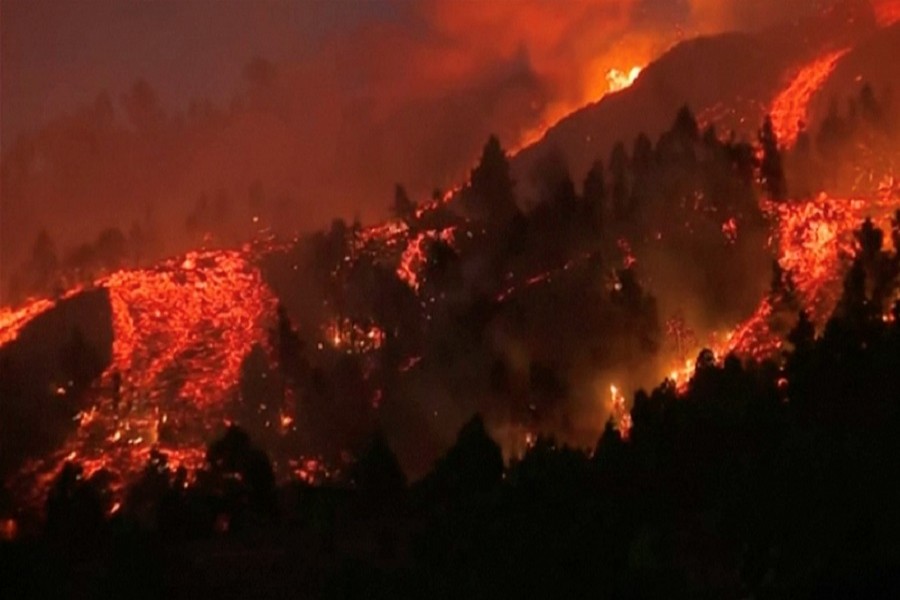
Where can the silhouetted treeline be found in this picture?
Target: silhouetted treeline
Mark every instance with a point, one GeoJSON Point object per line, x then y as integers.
{"type": "Point", "coordinates": [772, 479]}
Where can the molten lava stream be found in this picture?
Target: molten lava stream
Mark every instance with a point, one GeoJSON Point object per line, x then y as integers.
{"type": "Point", "coordinates": [791, 107]}
{"type": "Point", "coordinates": [181, 332]}
{"type": "Point", "coordinates": [814, 241]}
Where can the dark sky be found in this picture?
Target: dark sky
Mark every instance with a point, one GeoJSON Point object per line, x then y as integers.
{"type": "Point", "coordinates": [58, 54]}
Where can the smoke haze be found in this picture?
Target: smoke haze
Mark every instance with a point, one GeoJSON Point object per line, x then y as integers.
{"type": "Point", "coordinates": [129, 113]}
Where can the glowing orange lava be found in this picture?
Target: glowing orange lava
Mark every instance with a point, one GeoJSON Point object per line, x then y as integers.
{"type": "Point", "coordinates": [620, 414]}
{"type": "Point", "coordinates": [414, 256]}
{"type": "Point", "coordinates": [12, 320]}
{"type": "Point", "coordinates": [790, 107]}
{"type": "Point", "coordinates": [181, 332]}
{"type": "Point", "coordinates": [814, 243]}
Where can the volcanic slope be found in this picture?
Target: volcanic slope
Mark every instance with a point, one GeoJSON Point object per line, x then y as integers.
{"type": "Point", "coordinates": [729, 80]}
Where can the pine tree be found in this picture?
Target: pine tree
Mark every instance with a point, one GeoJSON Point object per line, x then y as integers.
{"type": "Point", "coordinates": [594, 194]}
{"type": "Point", "coordinates": [403, 208]}
{"type": "Point", "coordinates": [489, 194]}
{"type": "Point", "coordinates": [771, 169]}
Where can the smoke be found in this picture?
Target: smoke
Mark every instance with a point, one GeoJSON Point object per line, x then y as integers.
{"type": "Point", "coordinates": [408, 96]}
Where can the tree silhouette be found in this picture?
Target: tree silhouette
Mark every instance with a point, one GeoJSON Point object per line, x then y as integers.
{"type": "Point", "coordinates": [403, 208]}
{"type": "Point", "coordinates": [473, 465]}
{"type": "Point", "coordinates": [77, 505]}
{"type": "Point", "coordinates": [378, 477]}
{"type": "Point", "coordinates": [594, 194]}
{"type": "Point", "coordinates": [489, 194]}
{"type": "Point", "coordinates": [620, 186]}
{"type": "Point", "coordinates": [771, 169]}
{"type": "Point", "coordinates": [44, 262]}
{"type": "Point", "coordinates": [241, 475]}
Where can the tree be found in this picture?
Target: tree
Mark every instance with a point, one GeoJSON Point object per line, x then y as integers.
{"type": "Point", "coordinates": [642, 155]}
{"type": "Point", "coordinates": [39, 274]}
{"type": "Point", "coordinates": [803, 335]}
{"type": "Point", "coordinates": [111, 248]}
{"type": "Point", "coordinates": [80, 362]}
{"type": "Point", "coordinates": [639, 316]}
{"type": "Point", "coordinates": [547, 387]}
{"type": "Point", "coordinates": [442, 268]}
{"type": "Point", "coordinates": [289, 346]}
{"type": "Point", "coordinates": [685, 127]}
{"type": "Point", "coordinates": [869, 105]}
{"type": "Point", "coordinates": [145, 496]}
{"type": "Point", "coordinates": [241, 475]}
{"type": "Point", "coordinates": [76, 506]}
{"type": "Point", "coordinates": [594, 194]}
{"type": "Point", "coordinates": [142, 107]}
{"type": "Point", "coordinates": [473, 465]}
{"type": "Point", "coordinates": [378, 475]}
{"type": "Point", "coordinates": [771, 169]}
{"type": "Point", "coordinates": [403, 208]}
{"type": "Point", "coordinates": [854, 307]}
{"type": "Point", "coordinates": [621, 188]}
{"type": "Point", "coordinates": [43, 258]}
{"type": "Point", "coordinates": [489, 194]}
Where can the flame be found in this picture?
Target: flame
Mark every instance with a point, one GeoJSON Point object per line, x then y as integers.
{"type": "Point", "coordinates": [620, 413]}
{"type": "Point", "coordinates": [790, 109]}
{"type": "Point", "coordinates": [617, 80]}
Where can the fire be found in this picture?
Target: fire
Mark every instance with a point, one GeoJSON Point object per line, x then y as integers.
{"type": "Point", "coordinates": [791, 107]}
{"type": "Point", "coordinates": [620, 413]}
{"type": "Point", "coordinates": [617, 80]}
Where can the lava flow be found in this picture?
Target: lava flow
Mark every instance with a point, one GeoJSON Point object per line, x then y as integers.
{"type": "Point", "coordinates": [181, 332]}
{"type": "Point", "coordinates": [814, 242]}
{"type": "Point", "coordinates": [790, 108]}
